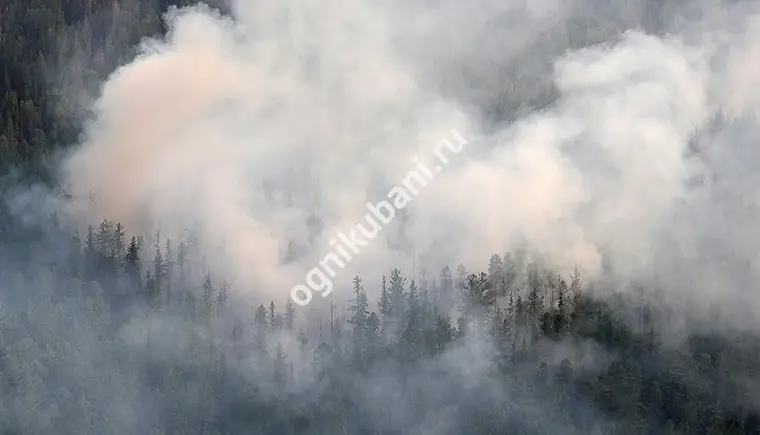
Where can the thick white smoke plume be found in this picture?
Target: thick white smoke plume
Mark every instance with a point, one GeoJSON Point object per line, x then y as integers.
{"type": "Point", "coordinates": [272, 128]}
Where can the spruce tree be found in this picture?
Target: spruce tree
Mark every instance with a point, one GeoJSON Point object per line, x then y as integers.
{"type": "Point", "coordinates": [132, 262]}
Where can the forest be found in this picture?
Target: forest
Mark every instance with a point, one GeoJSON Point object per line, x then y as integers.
{"type": "Point", "coordinates": [85, 353]}
{"type": "Point", "coordinates": [109, 330]}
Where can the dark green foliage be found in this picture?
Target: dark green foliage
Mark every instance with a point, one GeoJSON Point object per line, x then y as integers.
{"type": "Point", "coordinates": [72, 44]}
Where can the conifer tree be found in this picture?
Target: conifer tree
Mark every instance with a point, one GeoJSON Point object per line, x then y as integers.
{"type": "Point", "coordinates": [290, 315]}
{"type": "Point", "coordinates": [168, 270]}
{"type": "Point", "coordinates": [359, 320]}
{"type": "Point", "coordinates": [105, 238]}
{"type": "Point", "coordinates": [208, 296]}
{"type": "Point", "coordinates": [275, 321]}
{"type": "Point", "coordinates": [384, 305]}
{"type": "Point", "coordinates": [221, 299]}
{"type": "Point", "coordinates": [359, 309]}
{"type": "Point", "coordinates": [90, 254]}
{"type": "Point", "coordinates": [397, 294]}
{"type": "Point", "coordinates": [158, 268]}
{"type": "Point", "coordinates": [413, 329]}
{"type": "Point", "coordinates": [132, 262]}
{"type": "Point", "coordinates": [261, 328]}
{"type": "Point", "coordinates": [119, 248]}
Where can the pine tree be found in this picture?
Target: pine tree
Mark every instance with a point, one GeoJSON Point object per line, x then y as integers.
{"type": "Point", "coordinates": [132, 262]}
{"type": "Point", "coordinates": [221, 299]}
{"type": "Point", "coordinates": [461, 277]}
{"type": "Point", "coordinates": [359, 320]}
{"type": "Point", "coordinates": [119, 248]}
{"type": "Point", "coordinates": [275, 322]}
{"type": "Point", "coordinates": [168, 270]}
{"type": "Point", "coordinates": [105, 238]}
{"type": "Point", "coordinates": [560, 314]}
{"type": "Point", "coordinates": [90, 254]}
{"type": "Point", "coordinates": [446, 291]}
{"type": "Point", "coordinates": [575, 282]}
{"type": "Point", "coordinates": [444, 332]}
{"type": "Point", "coordinates": [486, 294]}
{"type": "Point", "coordinates": [478, 295]}
{"type": "Point", "coordinates": [290, 315]}
{"type": "Point", "coordinates": [413, 330]}
{"type": "Point", "coordinates": [510, 271]}
{"type": "Point", "coordinates": [535, 304]}
{"type": "Point", "coordinates": [428, 309]}
{"type": "Point", "coordinates": [151, 287]}
{"type": "Point", "coordinates": [397, 294]}
{"type": "Point", "coordinates": [520, 317]}
{"type": "Point", "coordinates": [495, 268]}
{"type": "Point", "coordinates": [158, 268]}
{"type": "Point", "coordinates": [208, 296]}
{"type": "Point", "coordinates": [261, 328]}
{"type": "Point", "coordinates": [384, 305]}
{"type": "Point", "coordinates": [181, 262]}
{"type": "Point", "coordinates": [360, 309]}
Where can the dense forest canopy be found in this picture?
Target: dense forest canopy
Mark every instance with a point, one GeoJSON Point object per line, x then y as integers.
{"type": "Point", "coordinates": [168, 170]}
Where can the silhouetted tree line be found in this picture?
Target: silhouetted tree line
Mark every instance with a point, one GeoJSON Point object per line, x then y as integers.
{"type": "Point", "coordinates": [68, 366]}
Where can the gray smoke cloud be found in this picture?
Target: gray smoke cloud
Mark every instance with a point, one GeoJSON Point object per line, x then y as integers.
{"type": "Point", "coordinates": [600, 134]}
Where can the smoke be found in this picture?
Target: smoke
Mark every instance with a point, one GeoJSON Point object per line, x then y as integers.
{"type": "Point", "coordinates": [617, 135]}
{"type": "Point", "coordinates": [617, 138]}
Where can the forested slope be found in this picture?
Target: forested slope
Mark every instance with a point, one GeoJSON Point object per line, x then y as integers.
{"type": "Point", "coordinates": [124, 337]}
{"type": "Point", "coordinates": [102, 332]}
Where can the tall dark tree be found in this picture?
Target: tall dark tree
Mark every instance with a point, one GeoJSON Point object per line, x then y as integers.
{"type": "Point", "coordinates": [397, 290]}
{"type": "Point", "coordinates": [359, 320]}
{"type": "Point", "coordinates": [168, 270]}
{"type": "Point", "coordinates": [208, 296]}
{"type": "Point", "coordinates": [132, 262]}
{"type": "Point", "coordinates": [290, 315]}
{"type": "Point", "coordinates": [274, 318]}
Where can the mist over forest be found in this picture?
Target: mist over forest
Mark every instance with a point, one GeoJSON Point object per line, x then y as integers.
{"type": "Point", "coordinates": [587, 264]}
